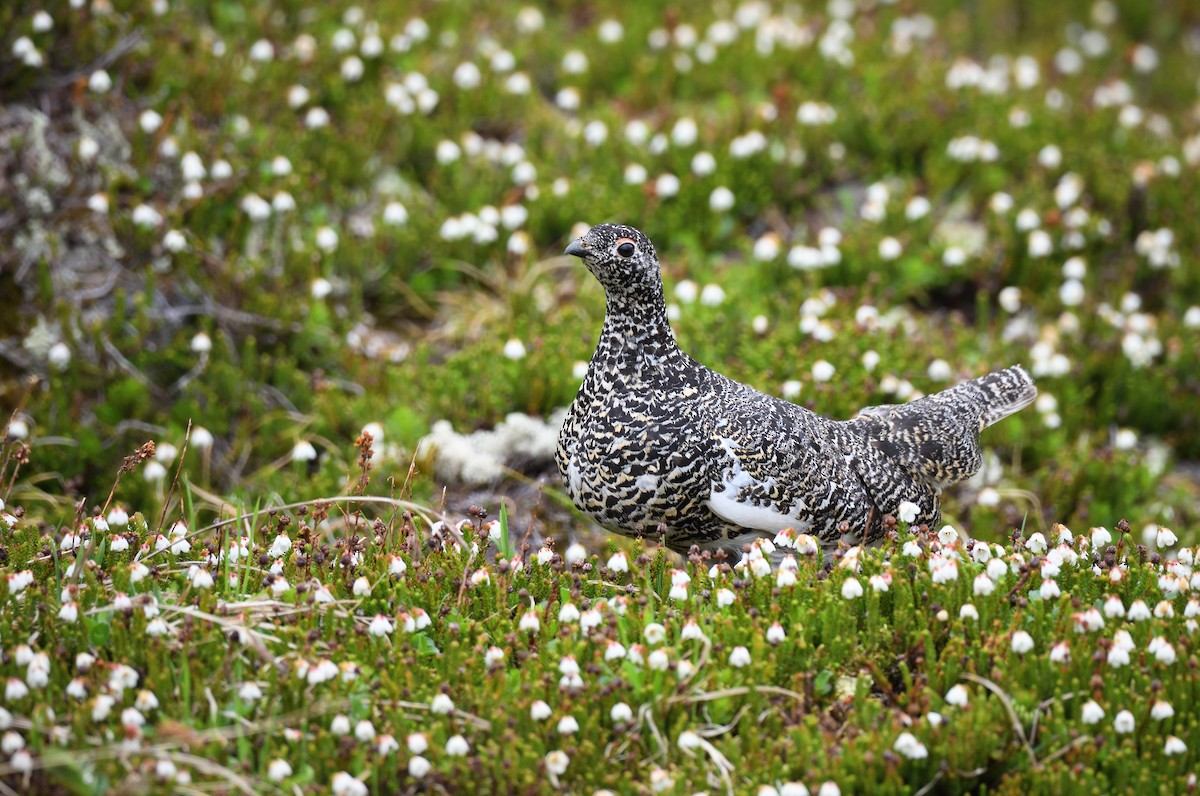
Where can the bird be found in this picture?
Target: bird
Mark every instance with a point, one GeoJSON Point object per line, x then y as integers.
{"type": "Point", "coordinates": [657, 445]}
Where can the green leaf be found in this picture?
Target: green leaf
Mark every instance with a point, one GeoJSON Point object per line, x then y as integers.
{"type": "Point", "coordinates": [99, 629]}
{"type": "Point", "coordinates": [506, 547]}
{"type": "Point", "coordinates": [424, 645]}
{"type": "Point", "coordinates": [824, 682]}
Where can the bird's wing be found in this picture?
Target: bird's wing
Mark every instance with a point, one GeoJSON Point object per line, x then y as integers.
{"type": "Point", "coordinates": [751, 491]}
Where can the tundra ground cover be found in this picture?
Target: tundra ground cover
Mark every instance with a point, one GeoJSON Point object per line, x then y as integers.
{"type": "Point", "coordinates": [283, 224]}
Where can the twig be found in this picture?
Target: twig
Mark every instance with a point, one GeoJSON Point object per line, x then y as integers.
{"type": "Point", "coordinates": [175, 481]}
{"type": "Point", "coordinates": [928, 786]}
{"type": "Point", "coordinates": [106, 60]}
{"type": "Point", "coordinates": [479, 723]}
{"type": "Point", "coordinates": [1008, 707]}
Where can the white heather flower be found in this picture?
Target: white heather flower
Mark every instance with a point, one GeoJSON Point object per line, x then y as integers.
{"type": "Point", "coordinates": [1009, 299]}
{"type": "Point", "coordinates": [539, 711]}
{"type": "Point", "coordinates": [254, 206]}
{"type": "Point", "coordinates": [457, 746]}
{"type": "Point", "coordinates": [262, 50]}
{"type": "Point", "coordinates": [1165, 538]}
{"type": "Point", "coordinates": [249, 692]}
{"type": "Point", "coordinates": [556, 762]}
{"type": "Point", "coordinates": [567, 725]}
{"type": "Point", "coordinates": [1091, 713]}
{"type": "Point", "coordinates": [1022, 642]}
{"type": "Point", "coordinates": [395, 214]}
{"type": "Point", "coordinates": [957, 696]}
{"type": "Point", "coordinates": [101, 707]}
{"type": "Point", "coordinates": [303, 451]}
{"type": "Point", "coordinates": [1039, 244]}
{"type": "Point", "coordinates": [908, 746]}
{"type": "Point", "coordinates": [278, 770]}
{"type": "Point", "coordinates": [340, 725]}
{"type": "Point", "coordinates": [1071, 293]}
{"type": "Point", "coordinates": [703, 164]}
{"type": "Point", "coordinates": [327, 239]}
{"type": "Point", "coordinates": [1138, 611]}
{"type": "Point", "coordinates": [654, 633]}
{"type": "Point", "coordinates": [344, 784]}
{"type": "Point", "coordinates": [316, 117]}
{"type": "Point", "coordinates": [380, 626]}
{"type": "Point", "coordinates": [1174, 746]}
{"type": "Point", "coordinates": [712, 295]}
{"type": "Point", "coordinates": [77, 688]}
{"type": "Point", "coordinates": [416, 743]}
{"type": "Point", "coordinates": [618, 562]}
{"type": "Point", "coordinates": [150, 120]}
{"type": "Point", "coordinates": [620, 713]}
{"type": "Point", "coordinates": [99, 81]}
{"type": "Point", "coordinates": [201, 578]}
{"type": "Point", "coordinates": [948, 535]}
{"type": "Point", "coordinates": [493, 657]}
{"type": "Point", "coordinates": [666, 185]}
{"type": "Point", "coordinates": [364, 731]}
{"type": "Point", "coordinates": [174, 241]}
{"type": "Point", "coordinates": [907, 511]}
{"type": "Point", "coordinates": [297, 96]}
{"type": "Point", "coordinates": [158, 627]}
{"type": "Point", "coordinates": [822, 370]}
{"type": "Point", "coordinates": [851, 589]}
{"type": "Point", "coordinates": [1118, 656]}
{"type": "Point", "coordinates": [721, 199]}
{"type": "Point", "coordinates": [725, 598]}
{"type": "Point", "coordinates": [1162, 650]}
{"type": "Point", "coordinates": [595, 132]}
{"type": "Point", "coordinates": [441, 705]}
{"type": "Point", "coordinates": [69, 612]}
{"type": "Point", "coordinates": [568, 613]}
{"type": "Point", "coordinates": [968, 611]}
{"type": "Point", "coordinates": [739, 658]}
{"type": "Point", "coordinates": [1124, 722]}
{"type": "Point", "coordinates": [352, 69]}
{"type": "Point", "coordinates": [1161, 710]}
{"type": "Point", "coordinates": [514, 349]}
{"type": "Point", "coordinates": [362, 587]}
{"type": "Point", "coordinates": [146, 216]}
{"type": "Point", "coordinates": [890, 248]}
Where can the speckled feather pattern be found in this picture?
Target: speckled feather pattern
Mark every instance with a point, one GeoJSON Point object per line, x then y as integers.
{"type": "Point", "coordinates": [655, 439]}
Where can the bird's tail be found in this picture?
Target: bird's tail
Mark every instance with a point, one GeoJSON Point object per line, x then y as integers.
{"type": "Point", "coordinates": [1003, 393]}
{"type": "Point", "coordinates": [936, 438]}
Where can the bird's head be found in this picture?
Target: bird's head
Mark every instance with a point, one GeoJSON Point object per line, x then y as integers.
{"type": "Point", "coordinates": [621, 257]}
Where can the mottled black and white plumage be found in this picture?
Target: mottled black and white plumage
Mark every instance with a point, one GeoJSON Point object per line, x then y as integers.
{"type": "Point", "coordinates": [654, 438]}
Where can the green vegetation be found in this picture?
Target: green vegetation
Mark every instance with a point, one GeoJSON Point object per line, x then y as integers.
{"type": "Point", "coordinates": [277, 224]}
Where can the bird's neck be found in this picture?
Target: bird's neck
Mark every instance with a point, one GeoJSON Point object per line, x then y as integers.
{"type": "Point", "coordinates": [637, 323]}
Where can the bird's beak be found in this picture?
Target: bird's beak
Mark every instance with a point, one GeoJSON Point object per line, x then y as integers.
{"type": "Point", "coordinates": [576, 249]}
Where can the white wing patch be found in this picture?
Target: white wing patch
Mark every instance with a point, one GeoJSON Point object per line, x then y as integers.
{"type": "Point", "coordinates": [723, 502]}
{"type": "Point", "coordinates": [647, 483]}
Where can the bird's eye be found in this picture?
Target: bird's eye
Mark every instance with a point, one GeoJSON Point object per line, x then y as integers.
{"type": "Point", "coordinates": [625, 249]}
